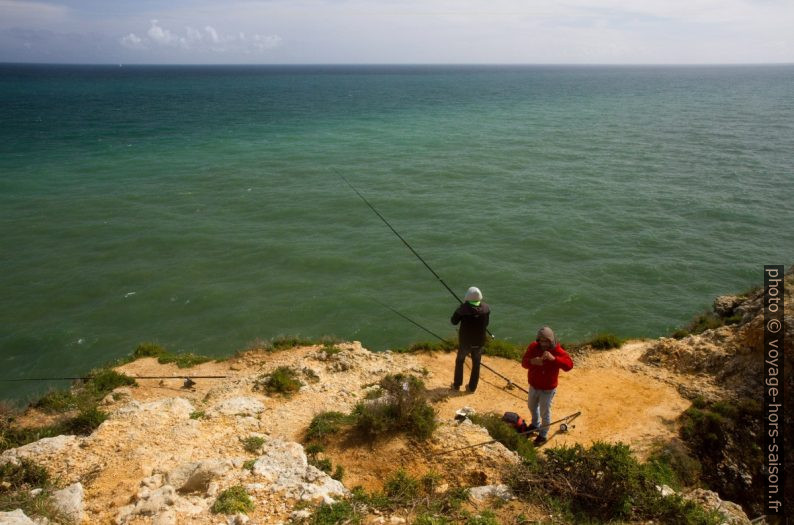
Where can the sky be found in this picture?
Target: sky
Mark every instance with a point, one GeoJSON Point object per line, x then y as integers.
{"type": "Point", "coordinates": [397, 31]}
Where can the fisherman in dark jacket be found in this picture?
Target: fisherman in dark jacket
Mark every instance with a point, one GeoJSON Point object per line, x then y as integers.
{"type": "Point", "coordinates": [473, 316]}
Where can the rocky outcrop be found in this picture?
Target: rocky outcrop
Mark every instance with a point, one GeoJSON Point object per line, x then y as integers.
{"type": "Point", "coordinates": [731, 513]}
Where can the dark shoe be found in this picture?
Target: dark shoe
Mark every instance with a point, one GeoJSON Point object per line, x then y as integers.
{"type": "Point", "coordinates": [540, 440]}
{"type": "Point", "coordinates": [470, 390]}
{"type": "Point", "coordinates": [454, 387]}
{"type": "Point", "coordinates": [530, 429]}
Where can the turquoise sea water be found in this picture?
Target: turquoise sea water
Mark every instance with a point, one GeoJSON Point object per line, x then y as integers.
{"type": "Point", "coordinates": [201, 207]}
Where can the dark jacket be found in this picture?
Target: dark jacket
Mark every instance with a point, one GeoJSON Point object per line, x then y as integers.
{"type": "Point", "coordinates": [544, 377]}
{"type": "Point", "coordinates": [473, 322]}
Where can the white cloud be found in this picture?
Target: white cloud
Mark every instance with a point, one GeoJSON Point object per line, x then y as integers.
{"type": "Point", "coordinates": [210, 41]}
{"type": "Point", "coordinates": [213, 34]}
{"type": "Point", "coordinates": [161, 36]}
{"type": "Point", "coordinates": [193, 35]}
{"type": "Point", "coordinates": [132, 41]}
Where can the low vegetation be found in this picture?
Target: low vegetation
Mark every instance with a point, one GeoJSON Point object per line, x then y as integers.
{"type": "Point", "coordinates": [715, 432]}
{"type": "Point", "coordinates": [603, 483]}
{"type": "Point", "coordinates": [182, 360]}
{"type": "Point", "coordinates": [283, 380]}
{"type": "Point", "coordinates": [404, 408]}
{"type": "Point", "coordinates": [605, 342]}
{"type": "Point", "coordinates": [705, 321]}
{"type": "Point", "coordinates": [313, 453]}
{"type": "Point", "coordinates": [77, 408]}
{"type": "Point", "coordinates": [401, 492]}
{"type": "Point", "coordinates": [326, 424]}
{"type": "Point", "coordinates": [253, 444]}
{"type": "Point", "coordinates": [401, 406]}
{"type": "Point", "coordinates": [232, 501]}
{"type": "Point", "coordinates": [507, 435]}
{"type": "Point", "coordinates": [18, 480]}
{"type": "Point", "coordinates": [285, 342]}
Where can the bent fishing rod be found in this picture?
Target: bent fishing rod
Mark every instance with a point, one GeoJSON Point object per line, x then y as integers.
{"type": "Point", "coordinates": [405, 243]}
{"type": "Point", "coordinates": [509, 381]}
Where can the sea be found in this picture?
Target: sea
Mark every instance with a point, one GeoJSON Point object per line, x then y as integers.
{"type": "Point", "coordinates": [211, 208]}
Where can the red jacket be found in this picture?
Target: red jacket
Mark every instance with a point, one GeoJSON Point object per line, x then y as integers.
{"type": "Point", "coordinates": [544, 377]}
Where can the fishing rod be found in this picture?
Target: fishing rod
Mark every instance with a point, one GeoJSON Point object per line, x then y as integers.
{"type": "Point", "coordinates": [510, 383]}
{"type": "Point", "coordinates": [401, 238]}
{"type": "Point", "coordinates": [406, 244]}
{"type": "Point", "coordinates": [188, 380]}
{"type": "Point", "coordinates": [91, 377]}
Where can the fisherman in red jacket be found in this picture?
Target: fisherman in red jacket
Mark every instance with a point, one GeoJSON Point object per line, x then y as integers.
{"type": "Point", "coordinates": [543, 359]}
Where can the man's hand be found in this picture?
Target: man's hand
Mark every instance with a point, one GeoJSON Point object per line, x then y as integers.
{"type": "Point", "coordinates": [536, 361]}
{"type": "Point", "coordinates": [547, 356]}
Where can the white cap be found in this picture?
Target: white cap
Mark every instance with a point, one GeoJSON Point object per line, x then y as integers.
{"type": "Point", "coordinates": [473, 294]}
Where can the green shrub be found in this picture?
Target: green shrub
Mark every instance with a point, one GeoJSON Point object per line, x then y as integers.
{"type": "Point", "coordinates": [248, 464]}
{"type": "Point", "coordinates": [720, 432]}
{"type": "Point", "coordinates": [326, 424]}
{"type": "Point", "coordinates": [282, 380]}
{"type": "Point", "coordinates": [507, 435]}
{"type": "Point", "coordinates": [674, 465]}
{"type": "Point", "coordinates": [19, 479]}
{"type": "Point", "coordinates": [486, 517]}
{"type": "Point", "coordinates": [603, 482]}
{"type": "Point", "coordinates": [57, 401]}
{"type": "Point", "coordinates": [428, 346]}
{"type": "Point", "coordinates": [286, 342]}
{"type": "Point", "coordinates": [85, 422]}
{"type": "Point", "coordinates": [252, 444]}
{"type": "Point", "coordinates": [102, 381]}
{"type": "Point", "coordinates": [502, 348]}
{"type": "Point", "coordinates": [401, 488]}
{"type": "Point", "coordinates": [403, 408]}
{"type": "Point", "coordinates": [701, 323]}
{"type": "Point", "coordinates": [232, 501]}
{"type": "Point", "coordinates": [25, 474]}
{"type": "Point", "coordinates": [330, 350]}
{"type": "Point", "coordinates": [187, 360]}
{"type": "Point", "coordinates": [84, 394]}
{"type": "Point", "coordinates": [431, 519]}
{"type": "Point", "coordinates": [198, 414]}
{"type": "Point", "coordinates": [605, 342]}
{"type": "Point", "coordinates": [313, 449]}
{"type": "Point", "coordinates": [182, 360]}
{"type": "Point", "coordinates": [148, 350]}
{"type": "Point", "coordinates": [340, 512]}
{"type": "Point", "coordinates": [339, 473]}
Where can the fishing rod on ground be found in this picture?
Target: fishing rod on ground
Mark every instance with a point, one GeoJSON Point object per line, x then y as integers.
{"type": "Point", "coordinates": [188, 380]}
{"type": "Point", "coordinates": [510, 383]}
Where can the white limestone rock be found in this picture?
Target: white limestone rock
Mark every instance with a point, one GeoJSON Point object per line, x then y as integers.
{"type": "Point", "coordinates": [485, 492]}
{"type": "Point", "coordinates": [42, 447]}
{"type": "Point", "coordinates": [69, 502]}
{"type": "Point", "coordinates": [16, 517]}
{"type": "Point", "coordinates": [246, 406]}
{"type": "Point", "coordinates": [285, 468]}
